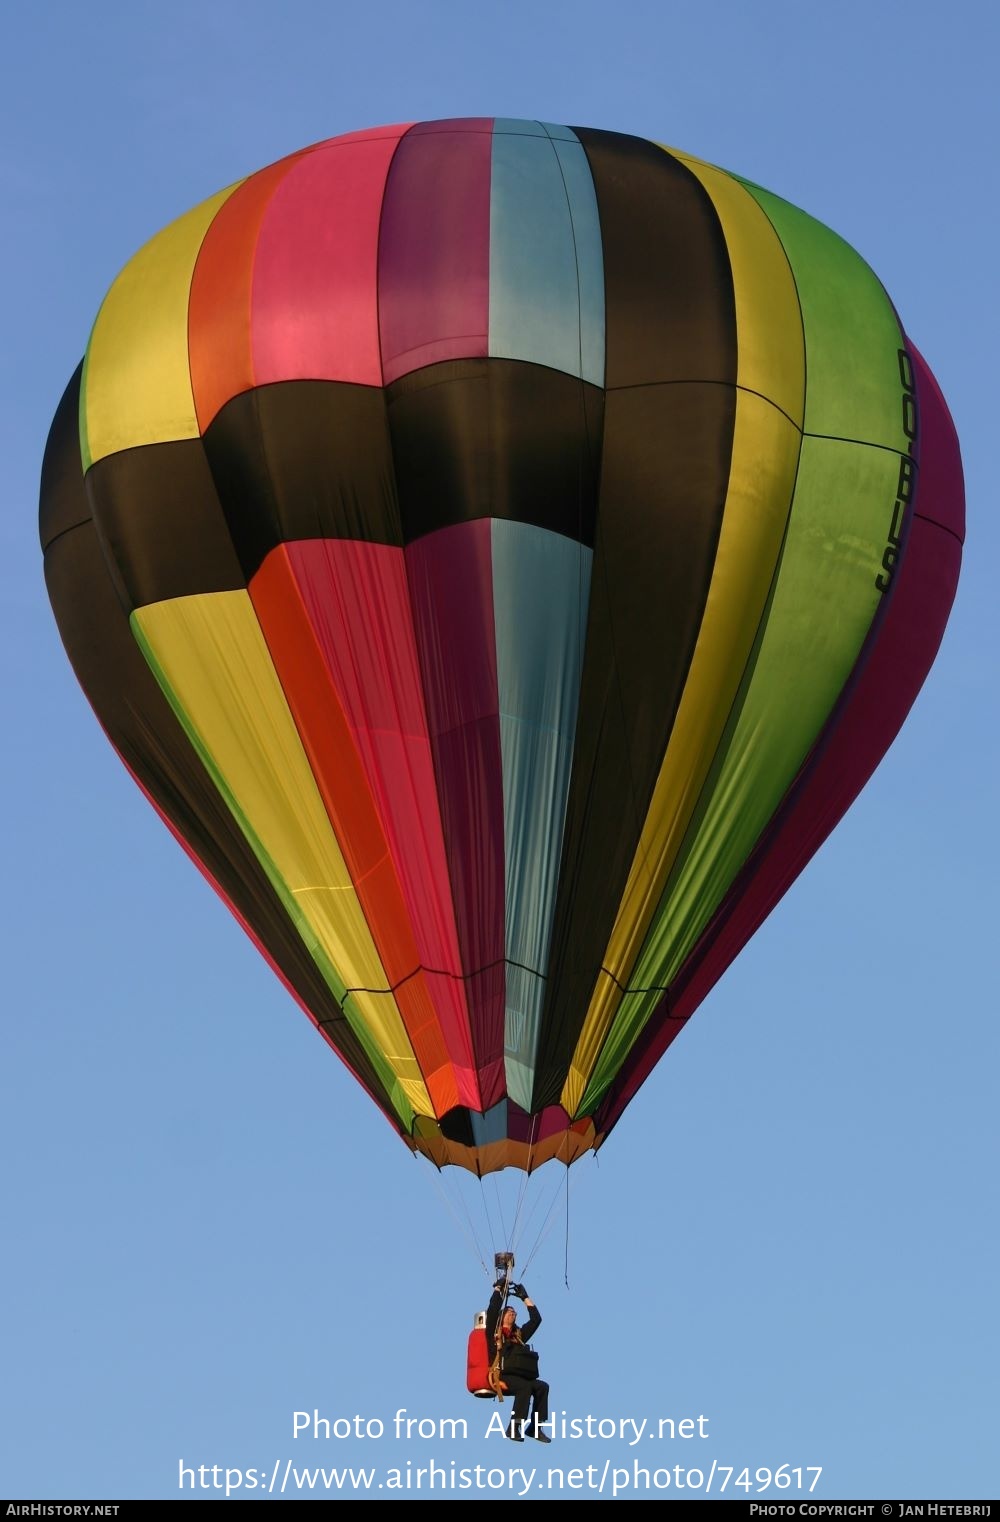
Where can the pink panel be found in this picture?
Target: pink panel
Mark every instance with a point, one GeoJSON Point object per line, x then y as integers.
{"type": "Point", "coordinates": [314, 301]}
{"type": "Point", "coordinates": [434, 253]}
{"type": "Point", "coordinates": [393, 130]}
{"type": "Point", "coordinates": [450, 575]}
{"type": "Point", "coordinates": [890, 674]}
{"type": "Point", "coordinates": [358, 604]}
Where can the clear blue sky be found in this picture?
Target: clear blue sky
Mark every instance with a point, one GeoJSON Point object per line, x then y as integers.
{"type": "Point", "coordinates": [793, 1232]}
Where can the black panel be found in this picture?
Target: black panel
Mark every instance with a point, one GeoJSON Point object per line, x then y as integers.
{"type": "Point", "coordinates": [496, 438]}
{"type": "Point", "coordinates": [456, 1126]}
{"type": "Point", "coordinates": [665, 471]}
{"type": "Point", "coordinates": [62, 504]}
{"type": "Point", "coordinates": [161, 523]}
{"type": "Point", "coordinates": [303, 460]}
{"type": "Point", "coordinates": [141, 725]}
{"type": "Point", "coordinates": [668, 288]}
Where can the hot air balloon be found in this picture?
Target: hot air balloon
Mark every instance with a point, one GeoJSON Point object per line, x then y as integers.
{"type": "Point", "coordinates": [500, 552]}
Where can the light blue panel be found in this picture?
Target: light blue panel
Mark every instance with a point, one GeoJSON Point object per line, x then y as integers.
{"type": "Point", "coordinates": [557, 130]}
{"type": "Point", "coordinates": [514, 126]}
{"type": "Point", "coordinates": [541, 588]}
{"type": "Point", "coordinates": [525, 993]}
{"type": "Point", "coordinates": [491, 1127]}
{"type": "Point", "coordinates": [545, 246]}
{"type": "Point", "coordinates": [579, 184]}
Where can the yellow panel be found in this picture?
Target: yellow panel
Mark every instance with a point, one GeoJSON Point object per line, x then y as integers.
{"type": "Point", "coordinates": [137, 380]}
{"type": "Point", "coordinates": [762, 475]}
{"type": "Point", "coordinates": [770, 355]}
{"type": "Point", "coordinates": [215, 666]}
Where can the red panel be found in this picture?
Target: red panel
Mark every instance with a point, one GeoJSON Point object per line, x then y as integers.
{"type": "Point", "coordinates": [326, 735]}
{"type": "Point", "coordinates": [363, 663]}
{"type": "Point", "coordinates": [860, 731]}
{"type": "Point", "coordinates": [315, 305]}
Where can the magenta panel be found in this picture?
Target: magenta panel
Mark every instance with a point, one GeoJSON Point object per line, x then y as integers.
{"type": "Point", "coordinates": [434, 250]}
{"type": "Point", "coordinates": [891, 672]}
{"type": "Point", "coordinates": [522, 1127]}
{"type": "Point", "coordinates": [941, 490]}
{"type": "Point", "coordinates": [314, 299]}
{"type": "Point", "coordinates": [357, 600]}
{"type": "Point", "coordinates": [450, 577]}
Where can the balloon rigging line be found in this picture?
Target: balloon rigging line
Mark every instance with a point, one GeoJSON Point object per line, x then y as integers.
{"type": "Point", "coordinates": [459, 1210]}
{"type": "Point", "coordinates": [531, 1215]}
{"type": "Point", "coordinates": [522, 1191]}
{"type": "Point", "coordinates": [466, 1227]}
{"type": "Point", "coordinates": [484, 1205]}
{"type": "Point", "coordinates": [566, 1258]}
{"type": "Point", "coordinates": [547, 1223]}
{"type": "Point", "coordinates": [503, 1227]}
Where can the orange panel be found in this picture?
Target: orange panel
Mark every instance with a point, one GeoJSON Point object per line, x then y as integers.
{"type": "Point", "coordinates": [219, 306]}
{"type": "Point", "coordinates": [329, 744]}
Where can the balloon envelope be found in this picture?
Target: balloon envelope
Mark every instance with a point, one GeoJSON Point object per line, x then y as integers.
{"type": "Point", "coordinates": [501, 552]}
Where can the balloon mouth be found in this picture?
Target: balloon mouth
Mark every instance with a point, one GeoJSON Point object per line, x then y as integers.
{"type": "Point", "coordinates": [547, 1141]}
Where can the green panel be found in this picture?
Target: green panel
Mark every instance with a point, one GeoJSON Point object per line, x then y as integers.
{"type": "Point", "coordinates": [823, 602]}
{"type": "Point", "coordinates": [852, 336]}
{"type": "Point", "coordinates": [385, 1074]}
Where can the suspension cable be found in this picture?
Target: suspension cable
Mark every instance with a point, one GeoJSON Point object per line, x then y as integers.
{"type": "Point", "coordinates": [547, 1223]}
{"type": "Point", "coordinates": [566, 1260]}
{"type": "Point", "coordinates": [466, 1227]}
{"type": "Point", "coordinates": [525, 1176]}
